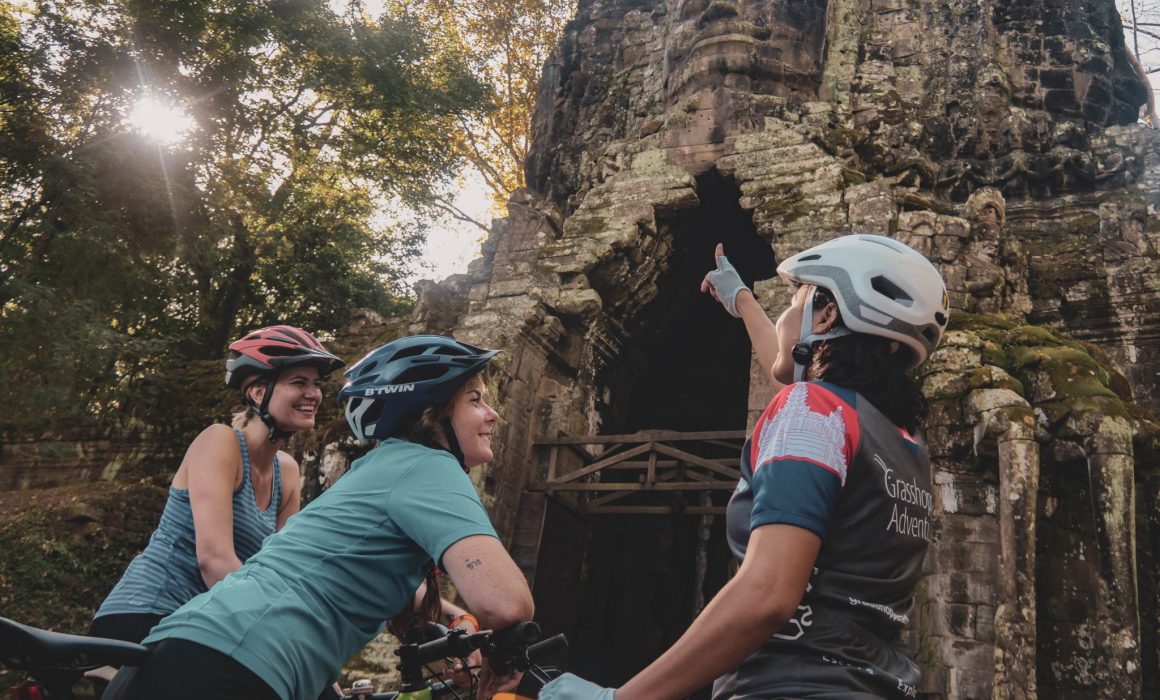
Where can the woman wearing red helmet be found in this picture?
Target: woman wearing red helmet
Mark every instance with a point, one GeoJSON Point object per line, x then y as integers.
{"type": "Point", "coordinates": [234, 487]}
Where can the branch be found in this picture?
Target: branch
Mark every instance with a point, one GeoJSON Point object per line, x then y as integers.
{"type": "Point", "coordinates": [459, 215]}
{"type": "Point", "coordinates": [267, 124]}
{"type": "Point", "coordinates": [492, 176]}
{"type": "Point", "coordinates": [1145, 32]}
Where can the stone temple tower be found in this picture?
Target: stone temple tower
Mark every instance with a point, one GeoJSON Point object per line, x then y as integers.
{"type": "Point", "coordinates": [998, 137]}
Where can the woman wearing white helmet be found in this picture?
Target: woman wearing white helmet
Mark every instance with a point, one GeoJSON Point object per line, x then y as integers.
{"type": "Point", "coordinates": [831, 519]}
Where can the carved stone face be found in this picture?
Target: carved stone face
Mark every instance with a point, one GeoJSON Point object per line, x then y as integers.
{"type": "Point", "coordinates": [771, 47]}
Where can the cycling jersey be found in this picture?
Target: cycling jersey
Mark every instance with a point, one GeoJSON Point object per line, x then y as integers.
{"type": "Point", "coordinates": [166, 574]}
{"type": "Point", "coordinates": [321, 588]}
{"type": "Point", "coordinates": [823, 458]}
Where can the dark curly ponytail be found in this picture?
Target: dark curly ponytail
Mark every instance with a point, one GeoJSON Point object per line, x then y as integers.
{"type": "Point", "coordinates": [873, 366]}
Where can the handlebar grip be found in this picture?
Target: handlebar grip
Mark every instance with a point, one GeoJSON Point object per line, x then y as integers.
{"type": "Point", "coordinates": [453, 645]}
{"type": "Point", "coordinates": [551, 644]}
{"type": "Point", "coordinates": [518, 635]}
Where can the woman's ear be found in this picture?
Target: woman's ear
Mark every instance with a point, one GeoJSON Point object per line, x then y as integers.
{"type": "Point", "coordinates": [826, 319]}
{"type": "Point", "coordinates": [255, 392]}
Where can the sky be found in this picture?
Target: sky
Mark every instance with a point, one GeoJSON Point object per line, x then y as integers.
{"type": "Point", "coordinates": [452, 245]}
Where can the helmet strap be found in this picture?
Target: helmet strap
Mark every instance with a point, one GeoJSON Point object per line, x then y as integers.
{"type": "Point", "coordinates": [803, 352]}
{"type": "Point", "coordinates": [273, 432]}
{"type": "Point", "coordinates": [452, 441]}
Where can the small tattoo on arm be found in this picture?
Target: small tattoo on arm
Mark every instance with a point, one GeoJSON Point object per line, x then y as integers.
{"type": "Point", "coordinates": [472, 563]}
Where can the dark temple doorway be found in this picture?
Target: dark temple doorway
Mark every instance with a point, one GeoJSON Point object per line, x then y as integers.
{"type": "Point", "coordinates": [645, 577]}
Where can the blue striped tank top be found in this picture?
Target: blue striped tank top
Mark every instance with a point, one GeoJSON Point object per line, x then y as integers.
{"type": "Point", "coordinates": [165, 575]}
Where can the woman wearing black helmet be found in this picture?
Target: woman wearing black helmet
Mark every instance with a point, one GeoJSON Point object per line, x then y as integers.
{"type": "Point", "coordinates": [318, 591]}
{"type": "Point", "coordinates": [831, 518]}
{"type": "Point", "coordinates": [234, 486]}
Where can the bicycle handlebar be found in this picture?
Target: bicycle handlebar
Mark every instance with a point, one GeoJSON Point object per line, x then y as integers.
{"type": "Point", "coordinates": [505, 649]}
{"type": "Point", "coordinates": [547, 646]}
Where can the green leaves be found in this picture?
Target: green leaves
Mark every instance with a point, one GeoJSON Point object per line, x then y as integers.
{"type": "Point", "coordinates": [122, 259]}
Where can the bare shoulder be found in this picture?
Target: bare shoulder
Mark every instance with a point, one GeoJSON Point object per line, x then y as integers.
{"type": "Point", "coordinates": [288, 463]}
{"type": "Point", "coordinates": [214, 451]}
{"type": "Point", "coordinates": [218, 434]}
{"type": "Point", "coordinates": [291, 472]}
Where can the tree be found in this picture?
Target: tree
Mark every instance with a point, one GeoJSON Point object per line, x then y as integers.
{"type": "Point", "coordinates": [1141, 20]}
{"type": "Point", "coordinates": [120, 257]}
{"type": "Point", "coordinates": [507, 43]}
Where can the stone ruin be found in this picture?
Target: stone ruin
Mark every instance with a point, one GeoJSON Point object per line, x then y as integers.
{"type": "Point", "coordinates": [996, 137]}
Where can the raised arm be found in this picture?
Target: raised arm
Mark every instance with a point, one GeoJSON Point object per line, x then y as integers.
{"type": "Point", "coordinates": [212, 470]}
{"type": "Point", "coordinates": [725, 285]}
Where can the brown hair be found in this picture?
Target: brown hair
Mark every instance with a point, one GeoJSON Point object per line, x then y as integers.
{"type": "Point", "coordinates": [430, 608]}
{"type": "Point", "coordinates": [242, 418]}
{"type": "Point", "coordinates": [873, 366]}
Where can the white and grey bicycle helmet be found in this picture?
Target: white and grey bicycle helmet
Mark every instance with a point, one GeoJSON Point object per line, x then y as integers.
{"type": "Point", "coordinates": [882, 287]}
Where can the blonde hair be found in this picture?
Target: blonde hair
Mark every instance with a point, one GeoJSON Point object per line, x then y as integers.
{"type": "Point", "coordinates": [242, 418]}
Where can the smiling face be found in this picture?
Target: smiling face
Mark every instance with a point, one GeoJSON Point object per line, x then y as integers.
{"type": "Point", "coordinates": [297, 395]}
{"type": "Point", "coordinates": [473, 420]}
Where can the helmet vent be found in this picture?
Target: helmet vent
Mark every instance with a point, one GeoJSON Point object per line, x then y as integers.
{"type": "Point", "coordinates": [931, 335]}
{"type": "Point", "coordinates": [806, 258]}
{"type": "Point", "coordinates": [420, 373]}
{"type": "Point", "coordinates": [276, 351]}
{"type": "Point", "coordinates": [408, 352]}
{"type": "Point", "coordinates": [891, 290]}
{"type": "Point", "coordinates": [940, 318]}
{"type": "Point", "coordinates": [295, 337]}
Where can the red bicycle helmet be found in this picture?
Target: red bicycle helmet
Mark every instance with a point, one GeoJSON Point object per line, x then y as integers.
{"type": "Point", "coordinates": [274, 348]}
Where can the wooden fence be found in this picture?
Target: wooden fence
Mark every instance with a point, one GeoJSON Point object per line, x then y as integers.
{"type": "Point", "coordinates": [649, 472]}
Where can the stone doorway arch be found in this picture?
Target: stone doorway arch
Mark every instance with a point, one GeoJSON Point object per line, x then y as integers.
{"type": "Point", "coordinates": [625, 579]}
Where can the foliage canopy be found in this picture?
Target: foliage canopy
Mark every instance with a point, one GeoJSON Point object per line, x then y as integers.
{"type": "Point", "coordinates": [506, 43]}
{"type": "Point", "coordinates": [121, 257]}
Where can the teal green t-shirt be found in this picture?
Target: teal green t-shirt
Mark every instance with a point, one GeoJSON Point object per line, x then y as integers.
{"type": "Point", "coordinates": [321, 588]}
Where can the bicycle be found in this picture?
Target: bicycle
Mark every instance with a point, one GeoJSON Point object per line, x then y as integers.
{"type": "Point", "coordinates": [54, 661]}
{"type": "Point", "coordinates": [514, 648]}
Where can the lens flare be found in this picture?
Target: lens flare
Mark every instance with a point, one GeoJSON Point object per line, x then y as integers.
{"type": "Point", "coordinates": [162, 122]}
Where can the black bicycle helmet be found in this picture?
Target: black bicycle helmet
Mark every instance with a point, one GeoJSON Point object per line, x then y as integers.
{"type": "Point", "coordinates": [390, 387]}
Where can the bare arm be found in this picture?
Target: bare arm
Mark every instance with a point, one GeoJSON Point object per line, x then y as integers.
{"type": "Point", "coordinates": [489, 582]}
{"type": "Point", "coordinates": [762, 333]}
{"type": "Point", "coordinates": [291, 489]}
{"type": "Point", "coordinates": [211, 467]}
{"type": "Point", "coordinates": [761, 329]}
{"type": "Point", "coordinates": [753, 606]}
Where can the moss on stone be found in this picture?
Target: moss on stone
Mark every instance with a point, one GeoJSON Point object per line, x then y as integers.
{"type": "Point", "coordinates": [988, 377]}
{"type": "Point", "coordinates": [1059, 376]}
